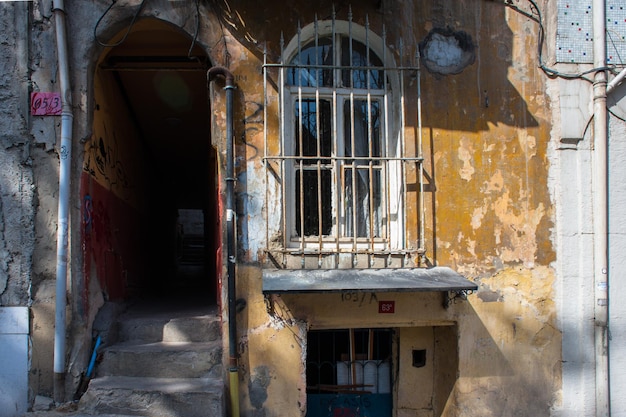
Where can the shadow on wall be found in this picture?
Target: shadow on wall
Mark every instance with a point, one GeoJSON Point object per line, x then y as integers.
{"type": "Point", "coordinates": [467, 49]}
{"type": "Point", "coordinates": [472, 76]}
{"type": "Point", "coordinates": [503, 360]}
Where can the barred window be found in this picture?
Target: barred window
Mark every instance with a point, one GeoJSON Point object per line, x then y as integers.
{"type": "Point", "coordinates": [336, 140]}
{"type": "Point", "coordinates": [341, 157]}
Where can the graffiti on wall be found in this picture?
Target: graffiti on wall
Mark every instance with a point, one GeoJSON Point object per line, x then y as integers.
{"type": "Point", "coordinates": [103, 161]}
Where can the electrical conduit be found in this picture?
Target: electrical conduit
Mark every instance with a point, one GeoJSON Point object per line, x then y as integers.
{"type": "Point", "coordinates": [233, 367]}
{"type": "Point", "coordinates": [65, 156]}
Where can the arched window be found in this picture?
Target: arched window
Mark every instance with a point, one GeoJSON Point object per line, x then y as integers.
{"type": "Point", "coordinates": [336, 93]}
{"type": "Point", "coordinates": [341, 155]}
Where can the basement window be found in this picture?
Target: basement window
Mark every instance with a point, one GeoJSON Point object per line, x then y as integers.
{"type": "Point", "coordinates": [349, 370]}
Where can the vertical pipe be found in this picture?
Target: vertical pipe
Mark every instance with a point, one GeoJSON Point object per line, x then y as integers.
{"type": "Point", "coordinates": [600, 212]}
{"type": "Point", "coordinates": [65, 154]}
{"type": "Point", "coordinates": [233, 368]}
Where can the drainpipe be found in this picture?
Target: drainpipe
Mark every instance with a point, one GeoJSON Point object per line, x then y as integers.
{"type": "Point", "coordinates": [233, 367]}
{"type": "Point", "coordinates": [600, 211]}
{"type": "Point", "coordinates": [616, 81]}
{"type": "Point", "coordinates": [65, 156]}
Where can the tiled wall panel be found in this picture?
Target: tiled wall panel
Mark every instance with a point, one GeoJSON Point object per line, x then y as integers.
{"type": "Point", "coordinates": [574, 39]}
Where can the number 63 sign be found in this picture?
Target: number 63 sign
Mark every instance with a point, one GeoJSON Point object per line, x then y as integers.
{"type": "Point", "coordinates": [45, 104]}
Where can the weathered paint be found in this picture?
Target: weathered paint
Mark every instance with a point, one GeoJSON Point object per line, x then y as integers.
{"type": "Point", "coordinates": [489, 215]}
{"type": "Point", "coordinates": [112, 198]}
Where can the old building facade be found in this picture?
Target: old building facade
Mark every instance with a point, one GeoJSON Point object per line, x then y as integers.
{"type": "Point", "coordinates": [405, 208]}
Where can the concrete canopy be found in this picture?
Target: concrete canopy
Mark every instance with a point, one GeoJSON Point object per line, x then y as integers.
{"type": "Point", "coordinates": [375, 280]}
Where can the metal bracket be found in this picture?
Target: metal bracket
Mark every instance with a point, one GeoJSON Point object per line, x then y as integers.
{"type": "Point", "coordinates": [269, 304]}
{"type": "Point", "coordinates": [452, 297]}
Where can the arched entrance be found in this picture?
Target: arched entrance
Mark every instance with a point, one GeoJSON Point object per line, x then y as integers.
{"type": "Point", "coordinates": [149, 175]}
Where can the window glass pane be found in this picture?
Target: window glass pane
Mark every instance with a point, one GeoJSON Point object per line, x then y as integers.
{"type": "Point", "coordinates": [362, 189]}
{"type": "Point", "coordinates": [360, 198]}
{"type": "Point", "coordinates": [307, 116]}
{"type": "Point", "coordinates": [311, 57]}
{"type": "Point", "coordinates": [309, 210]}
{"type": "Point", "coordinates": [358, 77]}
{"type": "Point", "coordinates": [363, 121]}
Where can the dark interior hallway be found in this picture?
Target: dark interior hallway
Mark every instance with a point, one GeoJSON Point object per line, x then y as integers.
{"type": "Point", "coordinates": [152, 169]}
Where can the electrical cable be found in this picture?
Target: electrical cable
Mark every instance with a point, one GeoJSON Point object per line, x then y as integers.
{"type": "Point", "coordinates": [616, 116]}
{"type": "Point", "coordinates": [195, 35]}
{"type": "Point", "coordinates": [132, 22]}
{"type": "Point", "coordinates": [536, 16]}
{"type": "Point", "coordinates": [621, 61]}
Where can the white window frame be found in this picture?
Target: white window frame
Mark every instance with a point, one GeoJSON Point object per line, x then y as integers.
{"type": "Point", "coordinates": [392, 238]}
{"type": "Point", "coordinates": [392, 229]}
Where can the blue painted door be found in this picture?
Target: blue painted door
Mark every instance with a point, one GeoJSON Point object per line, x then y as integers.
{"type": "Point", "coordinates": [348, 405]}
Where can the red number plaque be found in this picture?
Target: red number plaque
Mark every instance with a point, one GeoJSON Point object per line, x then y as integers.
{"type": "Point", "coordinates": [386, 307]}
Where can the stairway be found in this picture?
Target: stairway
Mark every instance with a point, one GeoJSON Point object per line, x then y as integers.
{"type": "Point", "coordinates": [193, 250]}
{"type": "Point", "coordinates": [165, 364]}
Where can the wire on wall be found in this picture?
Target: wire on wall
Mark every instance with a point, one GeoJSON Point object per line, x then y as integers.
{"type": "Point", "coordinates": [132, 22]}
{"type": "Point", "coordinates": [536, 16]}
{"type": "Point", "coordinates": [195, 35]}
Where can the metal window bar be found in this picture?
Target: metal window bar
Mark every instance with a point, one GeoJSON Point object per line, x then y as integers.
{"type": "Point", "coordinates": [266, 161]}
{"type": "Point", "coordinates": [422, 237]}
{"type": "Point", "coordinates": [402, 145]}
{"type": "Point", "coordinates": [388, 133]}
{"type": "Point", "coordinates": [352, 138]}
{"type": "Point", "coordinates": [336, 165]}
{"type": "Point", "coordinates": [353, 361]}
{"type": "Point", "coordinates": [319, 153]}
{"type": "Point", "coordinates": [369, 136]}
{"type": "Point", "coordinates": [377, 164]}
{"type": "Point", "coordinates": [300, 136]}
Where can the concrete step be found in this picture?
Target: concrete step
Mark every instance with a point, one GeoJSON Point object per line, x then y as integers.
{"type": "Point", "coordinates": [179, 329]}
{"type": "Point", "coordinates": [162, 359]}
{"type": "Point", "coordinates": [154, 397]}
{"type": "Point", "coordinates": [75, 414]}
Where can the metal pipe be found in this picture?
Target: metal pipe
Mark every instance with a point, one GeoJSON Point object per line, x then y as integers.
{"type": "Point", "coordinates": [233, 367]}
{"type": "Point", "coordinates": [65, 157]}
{"type": "Point", "coordinates": [600, 212]}
{"type": "Point", "coordinates": [616, 81]}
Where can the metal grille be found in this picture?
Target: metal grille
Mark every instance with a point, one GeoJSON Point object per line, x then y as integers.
{"type": "Point", "coordinates": [340, 157]}
{"type": "Point", "coordinates": [353, 361]}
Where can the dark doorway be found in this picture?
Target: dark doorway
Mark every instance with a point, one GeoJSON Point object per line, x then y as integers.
{"type": "Point", "coordinates": [152, 113]}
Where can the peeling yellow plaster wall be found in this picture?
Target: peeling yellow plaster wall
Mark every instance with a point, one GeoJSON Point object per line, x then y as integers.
{"type": "Point", "coordinates": [489, 215]}
{"type": "Point", "coordinates": [509, 347]}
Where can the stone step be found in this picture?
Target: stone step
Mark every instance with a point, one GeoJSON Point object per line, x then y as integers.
{"type": "Point", "coordinates": [162, 359]}
{"type": "Point", "coordinates": [76, 414]}
{"type": "Point", "coordinates": [181, 329]}
{"type": "Point", "coordinates": [154, 397]}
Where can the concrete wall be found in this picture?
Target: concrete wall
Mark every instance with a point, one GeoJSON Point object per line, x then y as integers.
{"type": "Point", "coordinates": [113, 187]}
{"type": "Point", "coordinates": [17, 209]}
